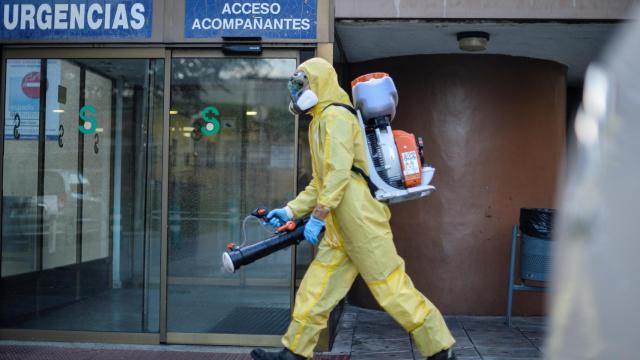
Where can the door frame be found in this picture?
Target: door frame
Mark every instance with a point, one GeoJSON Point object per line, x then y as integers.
{"type": "Point", "coordinates": [168, 54]}
{"type": "Point", "coordinates": [211, 338]}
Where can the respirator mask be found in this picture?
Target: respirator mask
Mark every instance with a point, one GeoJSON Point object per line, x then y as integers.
{"type": "Point", "coordinates": [302, 97]}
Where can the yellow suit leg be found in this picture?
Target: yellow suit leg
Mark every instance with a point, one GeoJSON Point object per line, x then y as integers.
{"type": "Point", "coordinates": [327, 280]}
{"type": "Point", "coordinates": [368, 240]}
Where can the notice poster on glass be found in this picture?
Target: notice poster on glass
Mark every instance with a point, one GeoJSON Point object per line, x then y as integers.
{"type": "Point", "coordinates": [22, 109]}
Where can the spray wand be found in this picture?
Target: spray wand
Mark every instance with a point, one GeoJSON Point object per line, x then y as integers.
{"type": "Point", "coordinates": [289, 233]}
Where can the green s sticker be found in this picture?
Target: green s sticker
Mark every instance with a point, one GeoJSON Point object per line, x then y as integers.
{"type": "Point", "coordinates": [212, 125]}
{"type": "Point", "coordinates": [87, 115]}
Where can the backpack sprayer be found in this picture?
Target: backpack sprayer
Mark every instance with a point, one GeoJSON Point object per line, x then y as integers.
{"type": "Point", "coordinates": [395, 160]}
{"type": "Point", "coordinates": [394, 157]}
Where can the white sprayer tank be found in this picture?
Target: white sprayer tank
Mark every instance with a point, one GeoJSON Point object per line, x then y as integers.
{"type": "Point", "coordinates": [375, 97]}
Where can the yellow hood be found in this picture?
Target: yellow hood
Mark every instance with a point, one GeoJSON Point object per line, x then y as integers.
{"type": "Point", "coordinates": [323, 80]}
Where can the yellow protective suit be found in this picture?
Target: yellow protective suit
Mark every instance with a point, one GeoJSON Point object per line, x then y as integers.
{"type": "Point", "coordinates": [357, 237]}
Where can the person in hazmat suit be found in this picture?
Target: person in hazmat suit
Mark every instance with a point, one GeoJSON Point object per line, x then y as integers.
{"type": "Point", "coordinates": [357, 237]}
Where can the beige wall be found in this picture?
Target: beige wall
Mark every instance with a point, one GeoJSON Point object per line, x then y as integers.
{"type": "Point", "coordinates": [485, 9]}
{"type": "Point", "coordinates": [494, 129]}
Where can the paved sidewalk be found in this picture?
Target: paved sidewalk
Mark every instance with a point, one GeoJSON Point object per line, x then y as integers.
{"type": "Point", "coordinates": [362, 334]}
{"type": "Point", "coordinates": [367, 334]}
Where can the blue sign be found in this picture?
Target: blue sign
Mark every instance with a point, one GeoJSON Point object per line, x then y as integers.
{"type": "Point", "coordinates": [68, 19]}
{"type": "Point", "coordinates": [270, 19]}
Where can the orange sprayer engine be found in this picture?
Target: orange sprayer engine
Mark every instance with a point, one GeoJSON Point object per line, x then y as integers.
{"type": "Point", "coordinates": [395, 158]}
{"type": "Point", "coordinates": [408, 152]}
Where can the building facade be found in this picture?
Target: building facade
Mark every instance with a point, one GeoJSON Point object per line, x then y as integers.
{"type": "Point", "coordinates": [138, 134]}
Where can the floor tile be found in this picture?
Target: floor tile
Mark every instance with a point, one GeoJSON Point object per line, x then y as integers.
{"type": "Point", "coordinates": [364, 346]}
{"type": "Point", "coordinates": [404, 355]}
{"type": "Point", "coordinates": [508, 352]}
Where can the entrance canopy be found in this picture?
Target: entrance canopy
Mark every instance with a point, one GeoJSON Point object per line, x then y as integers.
{"type": "Point", "coordinates": [574, 44]}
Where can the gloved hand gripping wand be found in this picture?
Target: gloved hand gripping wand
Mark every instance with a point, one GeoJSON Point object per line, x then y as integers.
{"type": "Point", "coordinates": [290, 233]}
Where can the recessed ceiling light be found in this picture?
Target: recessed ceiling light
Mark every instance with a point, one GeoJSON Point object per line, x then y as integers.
{"type": "Point", "coordinates": [473, 40]}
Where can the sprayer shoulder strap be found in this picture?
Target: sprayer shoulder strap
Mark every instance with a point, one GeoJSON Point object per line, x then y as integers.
{"type": "Point", "coordinates": [372, 187]}
{"type": "Point", "coordinates": [348, 107]}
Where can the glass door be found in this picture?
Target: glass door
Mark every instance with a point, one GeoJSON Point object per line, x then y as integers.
{"type": "Point", "coordinates": [232, 148]}
{"type": "Point", "coordinates": [80, 190]}
{"type": "Point", "coordinates": [82, 246]}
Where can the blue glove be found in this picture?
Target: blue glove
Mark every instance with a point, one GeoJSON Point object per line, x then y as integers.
{"type": "Point", "coordinates": [278, 217]}
{"type": "Point", "coordinates": [312, 229]}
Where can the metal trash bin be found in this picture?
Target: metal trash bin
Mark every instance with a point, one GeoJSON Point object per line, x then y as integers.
{"type": "Point", "coordinates": [535, 258]}
{"type": "Point", "coordinates": [534, 233]}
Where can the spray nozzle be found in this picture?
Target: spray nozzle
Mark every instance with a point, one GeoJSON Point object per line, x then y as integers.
{"type": "Point", "coordinates": [260, 213]}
